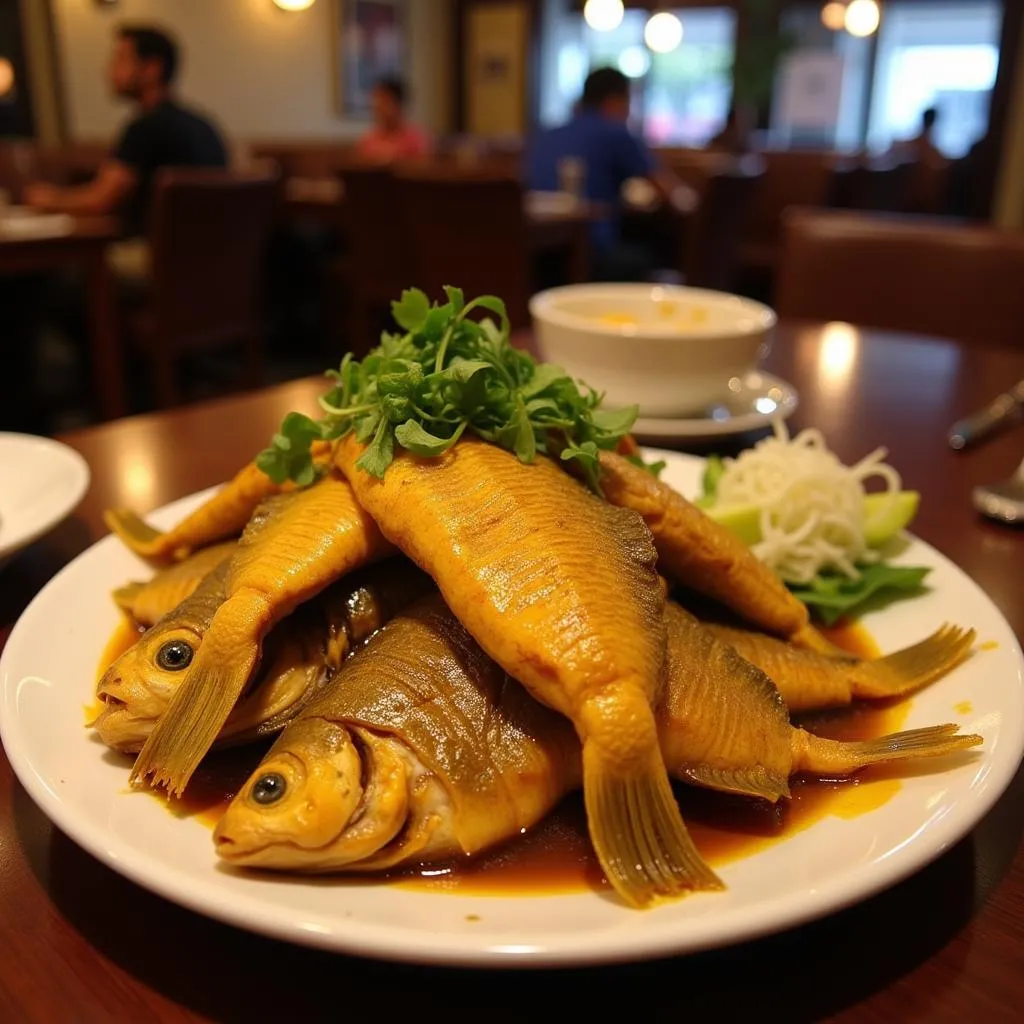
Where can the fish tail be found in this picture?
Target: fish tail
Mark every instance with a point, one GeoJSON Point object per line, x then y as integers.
{"type": "Point", "coordinates": [125, 597]}
{"type": "Point", "coordinates": [638, 832]}
{"type": "Point", "coordinates": [914, 666]}
{"type": "Point", "coordinates": [833, 757]}
{"type": "Point", "coordinates": [212, 686]}
{"type": "Point", "coordinates": [135, 532]}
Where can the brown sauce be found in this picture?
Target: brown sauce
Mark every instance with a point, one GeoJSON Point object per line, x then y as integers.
{"type": "Point", "coordinates": [556, 856]}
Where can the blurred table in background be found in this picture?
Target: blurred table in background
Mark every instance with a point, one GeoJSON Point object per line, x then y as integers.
{"type": "Point", "coordinates": [83, 246]}
{"type": "Point", "coordinates": [82, 943]}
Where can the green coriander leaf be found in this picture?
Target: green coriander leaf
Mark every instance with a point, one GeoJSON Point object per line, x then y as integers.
{"type": "Point", "coordinates": [461, 369]}
{"type": "Point", "coordinates": [832, 596]}
{"type": "Point", "coordinates": [378, 455]}
{"type": "Point", "coordinates": [411, 436]}
{"type": "Point", "coordinates": [288, 457]}
{"type": "Point", "coordinates": [615, 421]}
{"type": "Point", "coordinates": [544, 376]}
{"type": "Point", "coordinates": [713, 470]}
{"type": "Point", "coordinates": [411, 310]}
{"type": "Point", "coordinates": [455, 299]}
{"type": "Point", "coordinates": [654, 468]}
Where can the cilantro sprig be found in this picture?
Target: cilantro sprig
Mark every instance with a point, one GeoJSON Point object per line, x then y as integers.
{"type": "Point", "coordinates": [447, 374]}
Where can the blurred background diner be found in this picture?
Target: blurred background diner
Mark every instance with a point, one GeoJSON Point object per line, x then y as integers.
{"type": "Point", "coordinates": [198, 197]}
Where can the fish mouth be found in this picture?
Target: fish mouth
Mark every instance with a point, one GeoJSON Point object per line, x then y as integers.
{"type": "Point", "coordinates": [121, 728]}
{"type": "Point", "coordinates": [380, 815]}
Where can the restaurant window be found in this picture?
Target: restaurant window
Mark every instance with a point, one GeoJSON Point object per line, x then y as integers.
{"type": "Point", "coordinates": [681, 98]}
{"type": "Point", "coordinates": [942, 53]}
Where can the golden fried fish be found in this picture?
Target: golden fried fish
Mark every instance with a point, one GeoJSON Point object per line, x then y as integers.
{"type": "Point", "coordinates": [224, 515]}
{"type": "Point", "coordinates": [295, 545]}
{"type": "Point", "coordinates": [724, 724]}
{"type": "Point", "coordinates": [420, 749]}
{"type": "Point", "coordinates": [560, 588]}
{"type": "Point", "coordinates": [149, 602]}
{"type": "Point", "coordinates": [301, 653]}
{"type": "Point", "coordinates": [699, 553]}
{"type": "Point", "coordinates": [809, 681]}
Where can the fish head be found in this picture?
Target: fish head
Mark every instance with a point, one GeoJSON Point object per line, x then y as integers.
{"type": "Point", "coordinates": [137, 688]}
{"type": "Point", "coordinates": [299, 800]}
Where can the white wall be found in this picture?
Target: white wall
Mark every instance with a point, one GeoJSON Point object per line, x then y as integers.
{"type": "Point", "coordinates": [260, 71]}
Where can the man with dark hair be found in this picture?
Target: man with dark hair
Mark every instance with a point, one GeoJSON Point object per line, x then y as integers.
{"type": "Point", "coordinates": [921, 148]}
{"type": "Point", "coordinates": [598, 154]}
{"type": "Point", "coordinates": [392, 137]}
{"type": "Point", "coordinates": [162, 134]}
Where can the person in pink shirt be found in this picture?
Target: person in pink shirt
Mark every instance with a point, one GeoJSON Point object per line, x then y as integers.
{"type": "Point", "coordinates": [392, 137]}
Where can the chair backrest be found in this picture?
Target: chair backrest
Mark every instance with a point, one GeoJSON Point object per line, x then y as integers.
{"type": "Point", "coordinates": [791, 178]}
{"type": "Point", "coordinates": [376, 231]}
{"type": "Point", "coordinates": [313, 158]}
{"type": "Point", "coordinates": [468, 229]}
{"type": "Point", "coordinates": [209, 238]}
{"type": "Point", "coordinates": [925, 275]}
{"type": "Point", "coordinates": [717, 226]}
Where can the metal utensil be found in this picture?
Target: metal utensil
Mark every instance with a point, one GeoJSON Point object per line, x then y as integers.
{"type": "Point", "coordinates": [1003, 501]}
{"type": "Point", "coordinates": [1002, 411]}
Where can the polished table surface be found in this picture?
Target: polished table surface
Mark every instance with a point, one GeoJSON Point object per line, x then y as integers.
{"type": "Point", "coordinates": [82, 944]}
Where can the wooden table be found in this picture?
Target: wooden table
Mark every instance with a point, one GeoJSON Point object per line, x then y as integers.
{"type": "Point", "coordinates": [82, 944]}
{"type": "Point", "coordinates": [85, 247]}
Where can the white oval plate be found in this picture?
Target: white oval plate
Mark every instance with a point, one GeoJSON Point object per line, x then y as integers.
{"type": "Point", "coordinates": [754, 402]}
{"type": "Point", "coordinates": [41, 483]}
{"type": "Point", "coordinates": [47, 675]}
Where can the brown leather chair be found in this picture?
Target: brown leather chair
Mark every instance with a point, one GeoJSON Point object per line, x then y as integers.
{"type": "Point", "coordinates": [208, 241]}
{"type": "Point", "coordinates": [468, 229]}
{"type": "Point", "coordinates": [924, 275]}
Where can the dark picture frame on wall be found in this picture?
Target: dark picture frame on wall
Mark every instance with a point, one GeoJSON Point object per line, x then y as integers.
{"type": "Point", "coordinates": [372, 44]}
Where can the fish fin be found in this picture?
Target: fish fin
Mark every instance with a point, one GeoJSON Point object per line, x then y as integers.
{"type": "Point", "coordinates": [833, 757]}
{"type": "Point", "coordinates": [755, 781]}
{"type": "Point", "coordinates": [136, 533]}
{"type": "Point", "coordinates": [638, 832]}
{"type": "Point", "coordinates": [812, 639]}
{"type": "Point", "coordinates": [212, 686]}
{"type": "Point", "coordinates": [914, 666]}
{"type": "Point", "coordinates": [124, 597]}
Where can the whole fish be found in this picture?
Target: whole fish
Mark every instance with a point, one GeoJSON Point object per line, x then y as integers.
{"type": "Point", "coordinates": [423, 749]}
{"type": "Point", "coordinates": [560, 588]}
{"type": "Point", "coordinates": [724, 724]}
{"type": "Point", "coordinates": [295, 545]}
{"type": "Point", "coordinates": [301, 653]}
{"type": "Point", "coordinates": [149, 602]}
{"type": "Point", "coordinates": [420, 749]}
{"type": "Point", "coordinates": [223, 515]}
{"type": "Point", "coordinates": [701, 554]}
{"type": "Point", "coordinates": [809, 681]}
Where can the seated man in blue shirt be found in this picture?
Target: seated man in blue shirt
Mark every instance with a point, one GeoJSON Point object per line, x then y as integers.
{"type": "Point", "coordinates": [610, 155]}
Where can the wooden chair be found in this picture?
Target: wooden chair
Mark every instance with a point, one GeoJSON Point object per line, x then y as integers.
{"type": "Point", "coordinates": [378, 264]}
{"type": "Point", "coordinates": [924, 275]}
{"type": "Point", "coordinates": [469, 229]}
{"type": "Point", "coordinates": [208, 242]}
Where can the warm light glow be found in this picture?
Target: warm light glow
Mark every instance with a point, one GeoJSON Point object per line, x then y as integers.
{"type": "Point", "coordinates": [664, 32]}
{"type": "Point", "coordinates": [840, 348]}
{"type": "Point", "coordinates": [833, 15]}
{"type": "Point", "coordinates": [6, 76]}
{"type": "Point", "coordinates": [294, 5]}
{"type": "Point", "coordinates": [634, 62]}
{"type": "Point", "coordinates": [603, 15]}
{"type": "Point", "coordinates": [862, 17]}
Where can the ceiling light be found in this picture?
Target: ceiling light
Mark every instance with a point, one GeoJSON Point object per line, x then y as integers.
{"type": "Point", "coordinates": [833, 15]}
{"type": "Point", "coordinates": [603, 15]}
{"type": "Point", "coordinates": [294, 5]}
{"type": "Point", "coordinates": [664, 32]}
{"type": "Point", "coordinates": [862, 17]}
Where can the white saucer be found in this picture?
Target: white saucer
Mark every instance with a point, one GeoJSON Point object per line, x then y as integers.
{"type": "Point", "coordinates": [41, 482]}
{"type": "Point", "coordinates": [753, 402]}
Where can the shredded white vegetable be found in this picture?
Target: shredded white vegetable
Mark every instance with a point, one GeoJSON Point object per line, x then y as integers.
{"type": "Point", "coordinates": [812, 506]}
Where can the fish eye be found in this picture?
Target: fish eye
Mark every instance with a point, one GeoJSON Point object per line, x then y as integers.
{"type": "Point", "coordinates": [174, 655]}
{"type": "Point", "coordinates": [269, 788]}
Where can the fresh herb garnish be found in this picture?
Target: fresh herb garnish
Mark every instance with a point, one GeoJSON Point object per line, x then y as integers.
{"type": "Point", "coordinates": [448, 373]}
{"type": "Point", "coordinates": [831, 596]}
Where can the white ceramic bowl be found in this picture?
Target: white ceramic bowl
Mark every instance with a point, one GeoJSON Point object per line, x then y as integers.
{"type": "Point", "coordinates": [670, 349]}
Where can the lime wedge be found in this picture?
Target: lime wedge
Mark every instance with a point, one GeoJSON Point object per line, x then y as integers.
{"type": "Point", "coordinates": [745, 520]}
